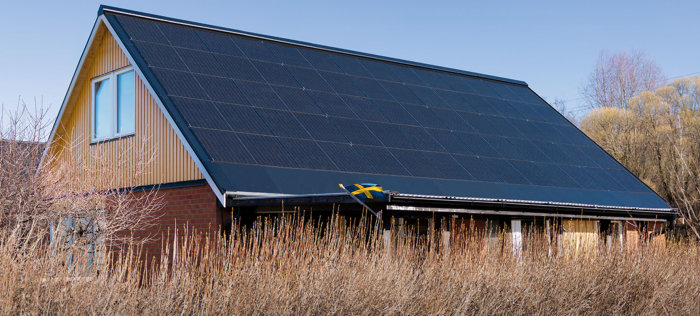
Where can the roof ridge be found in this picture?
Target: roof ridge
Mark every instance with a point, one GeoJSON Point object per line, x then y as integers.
{"type": "Point", "coordinates": [110, 9]}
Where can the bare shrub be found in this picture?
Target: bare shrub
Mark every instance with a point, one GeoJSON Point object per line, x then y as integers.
{"type": "Point", "coordinates": [291, 266]}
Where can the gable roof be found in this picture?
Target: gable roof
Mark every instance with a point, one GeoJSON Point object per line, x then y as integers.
{"type": "Point", "coordinates": [269, 115]}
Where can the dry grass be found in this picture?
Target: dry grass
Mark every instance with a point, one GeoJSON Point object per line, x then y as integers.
{"type": "Point", "coordinates": [290, 267]}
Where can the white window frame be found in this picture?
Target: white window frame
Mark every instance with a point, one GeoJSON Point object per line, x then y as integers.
{"type": "Point", "coordinates": [112, 76]}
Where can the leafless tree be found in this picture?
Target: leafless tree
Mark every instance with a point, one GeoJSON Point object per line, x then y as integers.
{"type": "Point", "coordinates": [619, 77]}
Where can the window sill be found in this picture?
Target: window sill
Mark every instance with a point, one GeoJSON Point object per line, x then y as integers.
{"type": "Point", "coordinates": [110, 139]}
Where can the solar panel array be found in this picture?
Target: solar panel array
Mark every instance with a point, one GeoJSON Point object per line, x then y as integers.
{"type": "Point", "coordinates": [257, 102]}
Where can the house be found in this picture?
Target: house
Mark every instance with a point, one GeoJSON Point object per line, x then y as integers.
{"type": "Point", "coordinates": [242, 123]}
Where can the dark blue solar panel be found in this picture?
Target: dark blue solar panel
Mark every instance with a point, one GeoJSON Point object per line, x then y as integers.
{"type": "Point", "coordinates": [364, 109]}
{"type": "Point", "coordinates": [400, 92]}
{"type": "Point", "coordinates": [503, 126]}
{"type": "Point", "coordinates": [255, 49]}
{"type": "Point", "coordinates": [320, 60]}
{"type": "Point", "coordinates": [382, 160]}
{"type": "Point", "coordinates": [346, 157]}
{"type": "Point", "coordinates": [341, 83]}
{"type": "Point", "coordinates": [420, 138]}
{"type": "Point", "coordinates": [266, 150]}
{"type": "Point", "coordinates": [181, 36]}
{"type": "Point", "coordinates": [275, 74]}
{"type": "Point", "coordinates": [389, 135]}
{"type": "Point", "coordinates": [260, 95]}
{"type": "Point", "coordinates": [283, 123]}
{"type": "Point", "coordinates": [477, 145]}
{"type": "Point", "coordinates": [332, 104]}
{"type": "Point", "coordinates": [297, 100]}
{"type": "Point", "coordinates": [415, 121]}
{"type": "Point", "coordinates": [140, 29]}
{"type": "Point", "coordinates": [220, 43]}
{"type": "Point", "coordinates": [223, 146]}
{"type": "Point", "coordinates": [308, 154]}
{"type": "Point", "coordinates": [200, 113]}
{"type": "Point", "coordinates": [288, 54]}
{"type": "Point", "coordinates": [505, 170]}
{"type": "Point", "coordinates": [309, 78]}
{"type": "Point", "coordinates": [424, 116]}
{"type": "Point", "coordinates": [395, 112]}
{"type": "Point", "coordinates": [527, 150]}
{"type": "Point", "coordinates": [415, 163]}
{"type": "Point", "coordinates": [479, 123]}
{"type": "Point", "coordinates": [160, 56]}
{"type": "Point", "coordinates": [221, 89]}
{"type": "Point", "coordinates": [452, 120]}
{"type": "Point", "coordinates": [201, 62]}
{"type": "Point", "coordinates": [355, 131]}
{"type": "Point", "coordinates": [243, 119]}
{"type": "Point", "coordinates": [239, 68]}
{"type": "Point", "coordinates": [477, 168]}
{"type": "Point", "coordinates": [371, 88]}
{"type": "Point", "coordinates": [320, 128]}
{"type": "Point", "coordinates": [379, 70]}
{"type": "Point", "coordinates": [447, 166]}
{"type": "Point", "coordinates": [350, 65]}
{"type": "Point", "coordinates": [179, 83]}
{"type": "Point", "coordinates": [449, 141]}
{"type": "Point", "coordinates": [428, 96]}
{"type": "Point", "coordinates": [504, 148]}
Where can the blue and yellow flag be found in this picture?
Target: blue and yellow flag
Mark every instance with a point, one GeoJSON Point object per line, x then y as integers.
{"type": "Point", "coordinates": [366, 192]}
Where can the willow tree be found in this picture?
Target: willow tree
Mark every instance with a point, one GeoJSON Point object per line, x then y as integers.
{"type": "Point", "coordinates": [657, 136]}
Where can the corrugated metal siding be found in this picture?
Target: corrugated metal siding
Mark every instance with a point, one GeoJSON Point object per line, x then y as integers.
{"type": "Point", "coordinates": [154, 139]}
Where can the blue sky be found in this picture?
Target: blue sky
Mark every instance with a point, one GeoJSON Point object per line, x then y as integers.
{"type": "Point", "coordinates": [552, 45]}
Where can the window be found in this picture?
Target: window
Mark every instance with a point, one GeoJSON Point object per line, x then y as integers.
{"type": "Point", "coordinates": [113, 100]}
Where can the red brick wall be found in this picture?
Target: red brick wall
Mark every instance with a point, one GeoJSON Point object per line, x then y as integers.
{"type": "Point", "coordinates": [194, 207]}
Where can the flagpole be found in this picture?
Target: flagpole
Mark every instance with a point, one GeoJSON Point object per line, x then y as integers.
{"type": "Point", "coordinates": [358, 200]}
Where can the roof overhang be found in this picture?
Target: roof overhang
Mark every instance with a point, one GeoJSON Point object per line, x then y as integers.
{"type": "Point", "coordinates": [401, 202]}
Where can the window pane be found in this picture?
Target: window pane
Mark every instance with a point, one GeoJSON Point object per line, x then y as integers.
{"type": "Point", "coordinates": [125, 99]}
{"type": "Point", "coordinates": [103, 109]}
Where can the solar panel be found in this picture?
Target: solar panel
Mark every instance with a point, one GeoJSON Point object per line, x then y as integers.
{"type": "Point", "coordinates": [200, 113]}
{"type": "Point", "coordinates": [266, 150]}
{"type": "Point", "coordinates": [160, 56]}
{"type": "Point", "coordinates": [309, 79]}
{"type": "Point", "coordinates": [297, 100]}
{"type": "Point", "coordinates": [308, 154]}
{"type": "Point", "coordinates": [275, 74]}
{"type": "Point", "coordinates": [331, 104]}
{"type": "Point", "coordinates": [251, 101]}
{"type": "Point", "coordinates": [242, 119]}
{"type": "Point", "coordinates": [221, 89]}
{"type": "Point", "coordinates": [381, 159]}
{"type": "Point", "coordinates": [239, 68]}
{"type": "Point", "coordinates": [260, 95]}
{"type": "Point", "coordinates": [181, 36]}
{"type": "Point", "coordinates": [356, 131]}
{"type": "Point", "coordinates": [201, 62]}
{"type": "Point", "coordinates": [283, 123]}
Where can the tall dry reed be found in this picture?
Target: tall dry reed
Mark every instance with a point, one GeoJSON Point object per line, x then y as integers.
{"type": "Point", "coordinates": [293, 266]}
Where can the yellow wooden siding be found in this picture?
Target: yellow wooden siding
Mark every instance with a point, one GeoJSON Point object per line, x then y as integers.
{"type": "Point", "coordinates": [580, 236]}
{"type": "Point", "coordinates": [120, 162]}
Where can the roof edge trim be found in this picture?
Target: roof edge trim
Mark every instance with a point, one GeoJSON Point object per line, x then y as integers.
{"type": "Point", "coordinates": [109, 9]}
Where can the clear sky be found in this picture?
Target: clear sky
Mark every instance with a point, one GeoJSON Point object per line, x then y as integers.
{"type": "Point", "coordinates": [552, 45]}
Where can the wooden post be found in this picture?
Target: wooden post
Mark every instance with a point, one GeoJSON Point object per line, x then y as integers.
{"type": "Point", "coordinates": [517, 235]}
{"type": "Point", "coordinates": [445, 242]}
{"type": "Point", "coordinates": [548, 231]}
{"type": "Point", "coordinates": [386, 239]}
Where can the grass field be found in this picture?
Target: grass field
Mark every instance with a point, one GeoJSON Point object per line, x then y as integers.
{"type": "Point", "coordinates": [296, 267]}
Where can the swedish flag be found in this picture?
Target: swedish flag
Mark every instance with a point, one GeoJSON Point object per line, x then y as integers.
{"type": "Point", "coordinates": [369, 192]}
